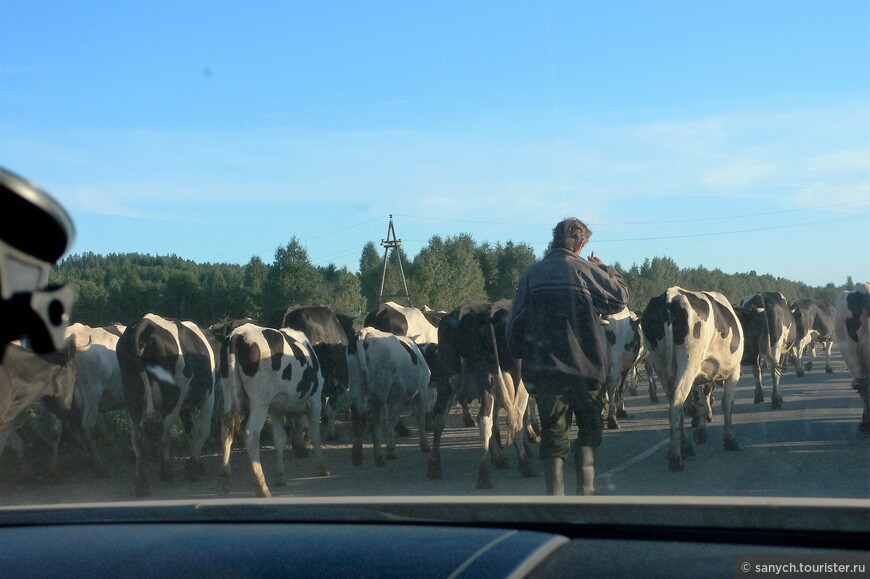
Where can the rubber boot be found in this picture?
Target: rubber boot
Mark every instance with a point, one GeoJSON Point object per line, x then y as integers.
{"type": "Point", "coordinates": [585, 464]}
{"type": "Point", "coordinates": [553, 468]}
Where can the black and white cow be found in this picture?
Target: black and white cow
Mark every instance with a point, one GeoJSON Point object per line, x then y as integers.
{"type": "Point", "coordinates": [473, 350]}
{"type": "Point", "coordinates": [387, 372]}
{"type": "Point", "coordinates": [168, 372]}
{"type": "Point", "coordinates": [852, 329]}
{"type": "Point", "coordinates": [268, 372]}
{"type": "Point", "coordinates": [27, 377]}
{"type": "Point", "coordinates": [814, 321]}
{"type": "Point", "coordinates": [622, 331]}
{"type": "Point", "coordinates": [695, 341]}
{"type": "Point", "coordinates": [770, 335]}
{"type": "Point", "coordinates": [329, 333]}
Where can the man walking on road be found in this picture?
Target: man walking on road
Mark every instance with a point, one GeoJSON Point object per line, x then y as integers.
{"type": "Point", "coordinates": [554, 327]}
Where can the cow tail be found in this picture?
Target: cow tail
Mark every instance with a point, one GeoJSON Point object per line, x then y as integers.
{"type": "Point", "coordinates": [514, 422]}
{"type": "Point", "coordinates": [361, 357]}
{"type": "Point", "coordinates": [234, 377]}
{"type": "Point", "coordinates": [669, 342]}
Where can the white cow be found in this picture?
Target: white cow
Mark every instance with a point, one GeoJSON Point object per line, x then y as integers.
{"type": "Point", "coordinates": [622, 332]}
{"type": "Point", "coordinates": [386, 372]}
{"type": "Point", "coordinates": [695, 341]}
{"type": "Point", "coordinates": [271, 372]}
{"type": "Point", "coordinates": [852, 329]}
{"type": "Point", "coordinates": [98, 385]}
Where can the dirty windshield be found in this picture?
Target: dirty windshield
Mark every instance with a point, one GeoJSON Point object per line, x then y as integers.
{"type": "Point", "coordinates": [325, 249]}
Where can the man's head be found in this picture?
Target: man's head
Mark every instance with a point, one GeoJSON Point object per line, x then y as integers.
{"type": "Point", "coordinates": [571, 234]}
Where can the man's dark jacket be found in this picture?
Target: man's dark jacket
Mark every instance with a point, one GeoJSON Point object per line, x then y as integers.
{"type": "Point", "coordinates": [554, 324]}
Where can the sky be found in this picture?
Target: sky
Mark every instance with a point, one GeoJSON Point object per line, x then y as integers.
{"type": "Point", "coordinates": [731, 135]}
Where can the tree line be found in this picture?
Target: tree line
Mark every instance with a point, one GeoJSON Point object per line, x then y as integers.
{"type": "Point", "coordinates": [446, 273]}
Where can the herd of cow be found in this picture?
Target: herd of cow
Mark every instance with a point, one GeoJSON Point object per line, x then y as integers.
{"type": "Point", "coordinates": [160, 371]}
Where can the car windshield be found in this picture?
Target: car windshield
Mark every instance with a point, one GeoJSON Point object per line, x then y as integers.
{"type": "Point", "coordinates": [230, 167]}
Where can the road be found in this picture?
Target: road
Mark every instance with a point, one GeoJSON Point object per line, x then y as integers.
{"type": "Point", "coordinates": [809, 448]}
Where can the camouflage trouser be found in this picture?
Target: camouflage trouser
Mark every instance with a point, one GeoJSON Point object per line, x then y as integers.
{"type": "Point", "coordinates": [557, 395]}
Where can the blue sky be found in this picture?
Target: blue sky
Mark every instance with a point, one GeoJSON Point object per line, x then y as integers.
{"type": "Point", "coordinates": [734, 135]}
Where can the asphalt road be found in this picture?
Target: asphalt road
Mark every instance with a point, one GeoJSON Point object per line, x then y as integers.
{"type": "Point", "coordinates": [809, 448]}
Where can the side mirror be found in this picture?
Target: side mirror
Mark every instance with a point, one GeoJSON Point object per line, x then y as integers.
{"type": "Point", "coordinates": [35, 232]}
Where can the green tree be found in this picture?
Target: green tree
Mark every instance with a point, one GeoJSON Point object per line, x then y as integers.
{"type": "Point", "coordinates": [447, 273]}
{"type": "Point", "coordinates": [291, 280]}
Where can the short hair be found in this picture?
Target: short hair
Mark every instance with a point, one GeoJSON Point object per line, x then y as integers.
{"type": "Point", "coordinates": [571, 234]}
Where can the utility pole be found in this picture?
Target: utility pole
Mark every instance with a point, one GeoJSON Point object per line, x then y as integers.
{"type": "Point", "coordinates": [392, 243]}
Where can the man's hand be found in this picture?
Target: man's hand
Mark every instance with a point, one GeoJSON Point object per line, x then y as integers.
{"type": "Point", "coordinates": [595, 260]}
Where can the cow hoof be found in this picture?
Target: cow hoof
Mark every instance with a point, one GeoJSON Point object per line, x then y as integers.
{"type": "Point", "coordinates": [379, 461]}
{"type": "Point", "coordinates": [325, 472]}
{"type": "Point", "coordinates": [469, 421]}
{"type": "Point", "coordinates": [424, 448]}
{"type": "Point", "coordinates": [402, 430]}
{"type": "Point", "coordinates": [391, 454]}
{"type": "Point", "coordinates": [776, 403]}
{"type": "Point", "coordinates": [829, 370]}
{"type": "Point", "coordinates": [224, 483]}
{"type": "Point", "coordinates": [700, 436]}
{"type": "Point", "coordinates": [654, 399]}
{"type": "Point", "coordinates": [808, 366]}
{"type": "Point", "coordinates": [434, 470]}
{"type": "Point", "coordinates": [279, 481]}
{"type": "Point", "coordinates": [731, 445]}
{"type": "Point", "coordinates": [527, 469]}
{"type": "Point", "coordinates": [263, 493]}
{"type": "Point", "coordinates": [501, 463]}
{"type": "Point", "coordinates": [759, 399]}
{"type": "Point", "coordinates": [621, 414]}
{"type": "Point", "coordinates": [356, 456]}
{"type": "Point", "coordinates": [612, 423]}
{"type": "Point", "coordinates": [687, 451]}
{"type": "Point", "coordinates": [675, 465]}
{"type": "Point", "coordinates": [864, 427]}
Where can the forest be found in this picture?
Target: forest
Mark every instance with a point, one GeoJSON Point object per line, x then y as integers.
{"type": "Point", "coordinates": [447, 272]}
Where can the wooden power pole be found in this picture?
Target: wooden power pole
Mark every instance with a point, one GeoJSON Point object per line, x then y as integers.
{"type": "Point", "coordinates": [392, 243]}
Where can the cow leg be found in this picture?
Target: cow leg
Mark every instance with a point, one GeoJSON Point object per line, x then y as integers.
{"type": "Point", "coordinates": [679, 447]}
{"type": "Point", "coordinates": [194, 466]}
{"type": "Point", "coordinates": [620, 397]}
{"type": "Point", "coordinates": [610, 389]}
{"type": "Point", "coordinates": [653, 395]}
{"type": "Point", "coordinates": [90, 415]}
{"type": "Point", "coordinates": [828, 346]}
{"type": "Point", "coordinates": [443, 402]}
{"type": "Point", "coordinates": [496, 451]}
{"type": "Point", "coordinates": [521, 443]}
{"type": "Point", "coordinates": [137, 438]}
{"type": "Point", "coordinates": [11, 440]}
{"type": "Point", "coordinates": [421, 403]}
{"type": "Point", "coordinates": [467, 418]}
{"type": "Point", "coordinates": [759, 391]}
{"type": "Point", "coordinates": [253, 427]}
{"type": "Point", "coordinates": [728, 392]}
{"type": "Point", "coordinates": [297, 441]}
{"type": "Point", "coordinates": [314, 409]}
{"type": "Point", "coordinates": [485, 421]}
{"type": "Point", "coordinates": [392, 415]}
{"type": "Point", "coordinates": [775, 396]}
{"type": "Point", "coordinates": [331, 416]}
{"type": "Point", "coordinates": [700, 420]}
{"type": "Point", "coordinates": [279, 437]}
{"type": "Point", "coordinates": [230, 423]}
